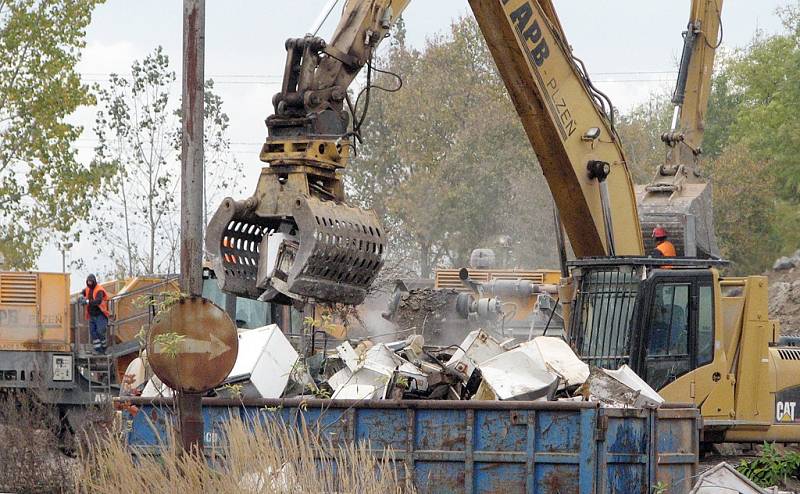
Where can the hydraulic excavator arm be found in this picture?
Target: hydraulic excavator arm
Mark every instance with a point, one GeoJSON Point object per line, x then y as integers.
{"type": "Point", "coordinates": [295, 238]}
{"type": "Point", "coordinates": [679, 197]}
{"type": "Point", "coordinates": [567, 122]}
{"type": "Point", "coordinates": [702, 37]}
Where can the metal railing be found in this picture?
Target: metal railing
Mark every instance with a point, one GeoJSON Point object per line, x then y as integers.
{"type": "Point", "coordinates": [151, 294]}
{"type": "Point", "coordinates": [80, 324]}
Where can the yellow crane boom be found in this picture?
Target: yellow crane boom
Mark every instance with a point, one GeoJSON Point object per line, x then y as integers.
{"type": "Point", "coordinates": [679, 197]}
{"type": "Point", "coordinates": [702, 37]}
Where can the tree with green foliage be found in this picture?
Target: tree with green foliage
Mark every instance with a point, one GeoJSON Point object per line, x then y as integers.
{"type": "Point", "coordinates": [445, 161]}
{"type": "Point", "coordinates": [138, 127]}
{"type": "Point", "coordinates": [723, 103]}
{"type": "Point", "coordinates": [750, 148]}
{"type": "Point", "coordinates": [43, 186]}
{"type": "Point", "coordinates": [640, 130]}
{"type": "Point", "coordinates": [755, 108]}
{"type": "Point", "coordinates": [744, 209]}
{"type": "Point", "coordinates": [135, 126]}
{"type": "Point", "coordinates": [765, 79]}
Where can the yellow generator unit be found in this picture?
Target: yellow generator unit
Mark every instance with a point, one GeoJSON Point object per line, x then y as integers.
{"type": "Point", "coordinates": [34, 312]}
{"type": "Point", "coordinates": [35, 336]}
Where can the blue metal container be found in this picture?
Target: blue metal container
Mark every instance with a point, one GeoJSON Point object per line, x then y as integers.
{"type": "Point", "coordinates": [474, 446]}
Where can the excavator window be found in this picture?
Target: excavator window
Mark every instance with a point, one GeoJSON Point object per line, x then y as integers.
{"type": "Point", "coordinates": [705, 326]}
{"type": "Point", "coordinates": [678, 323]}
{"type": "Point", "coordinates": [670, 323]}
{"type": "Point", "coordinates": [668, 339]}
{"type": "Point", "coordinates": [600, 324]}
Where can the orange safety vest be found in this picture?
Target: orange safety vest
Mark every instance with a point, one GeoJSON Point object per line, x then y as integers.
{"type": "Point", "coordinates": [667, 249]}
{"type": "Point", "coordinates": [89, 297]}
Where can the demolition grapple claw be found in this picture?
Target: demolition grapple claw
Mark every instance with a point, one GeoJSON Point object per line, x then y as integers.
{"type": "Point", "coordinates": [295, 238]}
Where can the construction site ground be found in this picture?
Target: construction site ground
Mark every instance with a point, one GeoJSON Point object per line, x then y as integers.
{"type": "Point", "coordinates": [784, 299]}
{"type": "Point", "coordinates": [734, 454]}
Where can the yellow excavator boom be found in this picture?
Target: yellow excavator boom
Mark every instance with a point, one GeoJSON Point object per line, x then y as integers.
{"type": "Point", "coordinates": [572, 135]}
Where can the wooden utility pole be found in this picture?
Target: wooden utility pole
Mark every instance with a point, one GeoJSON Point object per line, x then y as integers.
{"type": "Point", "coordinates": [194, 26]}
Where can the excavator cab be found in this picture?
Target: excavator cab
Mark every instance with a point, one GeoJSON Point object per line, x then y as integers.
{"type": "Point", "coordinates": [676, 320]}
{"type": "Point", "coordinates": [631, 311]}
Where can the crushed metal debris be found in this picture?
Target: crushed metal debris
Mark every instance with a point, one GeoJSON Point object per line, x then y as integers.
{"type": "Point", "coordinates": [478, 368]}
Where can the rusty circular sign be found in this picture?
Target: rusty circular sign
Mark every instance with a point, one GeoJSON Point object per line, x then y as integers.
{"type": "Point", "coordinates": [192, 345]}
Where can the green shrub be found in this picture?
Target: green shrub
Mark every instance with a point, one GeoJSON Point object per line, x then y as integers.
{"type": "Point", "coordinates": [771, 467]}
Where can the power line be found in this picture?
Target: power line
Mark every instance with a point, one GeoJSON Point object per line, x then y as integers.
{"type": "Point", "coordinates": [210, 76]}
{"type": "Point", "coordinates": [279, 77]}
{"type": "Point", "coordinates": [233, 143]}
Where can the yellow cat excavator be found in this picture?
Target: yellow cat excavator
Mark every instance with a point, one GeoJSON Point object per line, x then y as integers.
{"type": "Point", "coordinates": [693, 334]}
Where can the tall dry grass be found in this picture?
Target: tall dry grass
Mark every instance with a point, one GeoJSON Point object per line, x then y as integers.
{"type": "Point", "coordinates": [31, 444]}
{"type": "Point", "coordinates": [262, 458]}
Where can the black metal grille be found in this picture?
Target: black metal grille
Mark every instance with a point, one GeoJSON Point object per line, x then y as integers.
{"type": "Point", "coordinates": [789, 354]}
{"type": "Point", "coordinates": [600, 326]}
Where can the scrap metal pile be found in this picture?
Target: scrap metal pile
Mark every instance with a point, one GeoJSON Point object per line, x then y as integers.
{"type": "Point", "coordinates": [478, 368]}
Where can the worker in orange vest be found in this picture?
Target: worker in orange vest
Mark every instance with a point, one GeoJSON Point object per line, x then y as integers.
{"type": "Point", "coordinates": [95, 298]}
{"type": "Point", "coordinates": [664, 247]}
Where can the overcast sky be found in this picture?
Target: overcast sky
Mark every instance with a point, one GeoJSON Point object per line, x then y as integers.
{"type": "Point", "coordinates": [630, 47]}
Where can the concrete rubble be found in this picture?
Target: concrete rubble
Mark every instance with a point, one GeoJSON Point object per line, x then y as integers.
{"type": "Point", "coordinates": [787, 262]}
{"type": "Point", "coordinates": [478, 368]}
{"type": "Point", "coordinates": [784, 263]}
{"type": "Point", "coordinates": [784, 294]}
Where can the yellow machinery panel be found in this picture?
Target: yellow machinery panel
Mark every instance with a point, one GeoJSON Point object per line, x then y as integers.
{"type": "Point", "coordinates": [34, 311]}
{"type": "Point", "coordinates": [448, 278]}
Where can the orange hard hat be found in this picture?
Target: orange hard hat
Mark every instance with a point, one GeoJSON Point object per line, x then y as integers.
{"type": "Point", "coordinates": [659, 232]}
